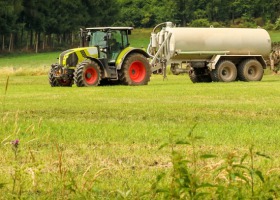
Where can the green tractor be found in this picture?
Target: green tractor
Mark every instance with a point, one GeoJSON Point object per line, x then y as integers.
{"type": "Point", "coordinates": [105, 56]}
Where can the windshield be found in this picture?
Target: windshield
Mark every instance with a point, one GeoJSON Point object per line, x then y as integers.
{"type": "Point", "coordinates": [97, 39]}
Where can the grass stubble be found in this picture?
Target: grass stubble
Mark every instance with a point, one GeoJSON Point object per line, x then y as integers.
{"type": "Point", "coordinates": [104, 142]}
{"type": "Point", "coordinates": [136, 142]}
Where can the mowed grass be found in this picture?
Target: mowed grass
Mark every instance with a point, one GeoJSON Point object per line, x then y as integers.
{"type": "Point", "coordinates": [69, 134]}
{"type": "Point", "coordinates": [103, 142]}
{"type": "Point", "coordinates": [27, 63]}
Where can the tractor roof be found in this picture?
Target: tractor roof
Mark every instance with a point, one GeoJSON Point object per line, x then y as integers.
{"type": "Point", "coordinates": [109, 28]}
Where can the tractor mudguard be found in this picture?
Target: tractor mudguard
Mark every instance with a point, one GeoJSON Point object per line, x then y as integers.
{"type": "Point", "coordinates": [127, 51]}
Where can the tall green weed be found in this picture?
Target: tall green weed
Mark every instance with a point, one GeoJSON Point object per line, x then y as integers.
{"type": "Point", "coordinates": [199, 175]}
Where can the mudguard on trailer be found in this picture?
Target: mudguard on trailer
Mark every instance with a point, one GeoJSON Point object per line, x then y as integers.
{"type": "Point", "coordinates": [216, 58]}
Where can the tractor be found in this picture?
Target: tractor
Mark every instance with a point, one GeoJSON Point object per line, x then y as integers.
{"type": "Point", "coordinates": [105, 56]}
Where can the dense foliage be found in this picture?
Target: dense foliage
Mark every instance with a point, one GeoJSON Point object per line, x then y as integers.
{"type": "Point", "coordinates": [33, 24]}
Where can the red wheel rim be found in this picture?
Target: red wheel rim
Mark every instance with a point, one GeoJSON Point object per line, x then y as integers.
{"type": "Point", "coordinates": [91, 75]}
{"type": "Point", "coordinates": [137, 71]}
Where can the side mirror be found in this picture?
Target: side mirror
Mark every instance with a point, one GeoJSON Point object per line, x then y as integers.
{"type": "Point", "coordinates": [88, 36]}
{"type": "Point", "coordinates": [81, 34]}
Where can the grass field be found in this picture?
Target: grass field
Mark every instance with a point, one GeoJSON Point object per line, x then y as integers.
{"type": "Point", "coordinates": [275, 36]}
{"type": "Point", "coordinates": [103, 142]}
{"type": "Point", "coordinates": [67, 133]}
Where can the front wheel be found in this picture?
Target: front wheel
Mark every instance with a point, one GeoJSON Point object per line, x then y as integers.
{"type": "Point", "coordinates": [87, 73]}
{"type": "Point", "coordinates": [52, 80]}
{"type": "Point", "coordinates": [136, 70]}
{"type": "Point", "coordinates": [58, 78]}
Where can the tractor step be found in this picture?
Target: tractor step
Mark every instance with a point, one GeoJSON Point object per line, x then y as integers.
{"type": "Point", "coordinates": [113, 72]}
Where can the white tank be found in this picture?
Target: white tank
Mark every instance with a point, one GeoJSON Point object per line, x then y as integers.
{"type": "Point", "coordinates": [198, 43]}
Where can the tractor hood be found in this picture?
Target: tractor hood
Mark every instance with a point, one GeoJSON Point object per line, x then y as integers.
{"type": "Point", "coordinates": [70, 58]}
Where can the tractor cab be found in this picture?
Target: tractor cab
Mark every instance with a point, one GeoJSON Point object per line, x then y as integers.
{"type": "Point", "coordinates": [109, 41]}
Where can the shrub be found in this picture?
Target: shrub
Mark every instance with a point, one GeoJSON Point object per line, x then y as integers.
{"type": "Point", "coordinates": [277, 24]}
{"type": "Point", "coordinates": [268, 25]}
{"type": "Point", "coordinates": [200, 23]}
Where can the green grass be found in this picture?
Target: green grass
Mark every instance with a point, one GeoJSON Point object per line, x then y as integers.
{"type": "Point", "coordinates": [140, 38]}
{"type": "Point", "coordinates": [27, 64]}
{"type": "Point", "coordinates": [103, 142]}
{"type": "Point", "coordinates": [68, 134]}
{"type": "Point", "coordinates": [29, 60]}
{"type": "Point", "coordinates": [275, 36]}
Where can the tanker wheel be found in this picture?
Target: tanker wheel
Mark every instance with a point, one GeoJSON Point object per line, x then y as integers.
{"type": "Point", "coordinates": [87, 74]}
{"type": "Point", "coordinates": [136, 70]}
{"type": "Point", "coordinates": [250, 70]}
{"type": "Point", "coordinates": [206, 79]}
{"type": "Point", "coordinates": [193, 76]}
{"type": "Point", "coordinates": [54, 82]}
{"type": "Point", "coordinates": [225, 72]}
{"type": "Point", "coordinates": [199, 76]}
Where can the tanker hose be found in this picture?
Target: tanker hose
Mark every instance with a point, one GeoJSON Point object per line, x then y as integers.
{"type": "Point", "coordinates": [164, 23]}
{"type": "Point", "coordinates": [148, 50]}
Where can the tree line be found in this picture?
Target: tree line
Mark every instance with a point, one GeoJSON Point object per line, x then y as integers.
{"type": "Point", "coordinates": [35, 25]}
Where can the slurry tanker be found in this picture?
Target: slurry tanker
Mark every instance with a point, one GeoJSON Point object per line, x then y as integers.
{"type": "Point", "coordinates": [210, 54]}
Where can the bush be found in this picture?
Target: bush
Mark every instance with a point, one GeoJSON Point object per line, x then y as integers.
{"type": "Point", "coordinates": [268, 25]}
{"type": "Point", "coordinates": [277, 24]}
{"type": "Point", "coordinates": [200, 23]}
{"type": "Point", "coordinates": [217, 24]}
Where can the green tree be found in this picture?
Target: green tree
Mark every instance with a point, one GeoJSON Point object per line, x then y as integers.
{"type": "Point", "coordinates": [100, 12]}
{"type": "Point", "coordinates": [9, 13]}
{"type": "Point", "coordinates": [185, 9]}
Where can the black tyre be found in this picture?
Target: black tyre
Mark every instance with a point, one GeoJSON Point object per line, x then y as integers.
{"type": "Point", "coordinates": [87, 74]}
{"type": "Point", "coordinates": [136, 70]}
{"type": "Point", "coordinates": [250, 70]}
{"type": "Point", "coordinates": [225, 72]}
{"type": "Point", "coordinates": [205, 79]}
{"type": "Point", "coordinates": [193, 76]}
{"type": "Point", "coordinates": [52, 80]}
{"type": "Point", "coordinates": [174, 69]}
{"type": "Point", "coordinates": [199, 75]}
{"type": "Point", "coordinates": [66, 81]}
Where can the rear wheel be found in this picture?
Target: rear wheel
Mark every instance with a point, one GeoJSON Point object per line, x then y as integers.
{"type": "Point", "coordinates": [250, 70]}
{"type": "Point", "coordinates": [135, 70]}
{"type": "Point", "coordinates": [225, 72]}
{"type": "Point", "coordinates": [87, 73]}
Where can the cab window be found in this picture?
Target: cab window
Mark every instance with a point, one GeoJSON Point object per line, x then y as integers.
{"type": "Point", "coordinates": [124, 38]}
{"type": "Point", "coordinates": [97, 39]}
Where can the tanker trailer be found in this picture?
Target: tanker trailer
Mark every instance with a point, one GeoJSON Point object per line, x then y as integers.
{"type": "Point", "coordinates": [210, 54]}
